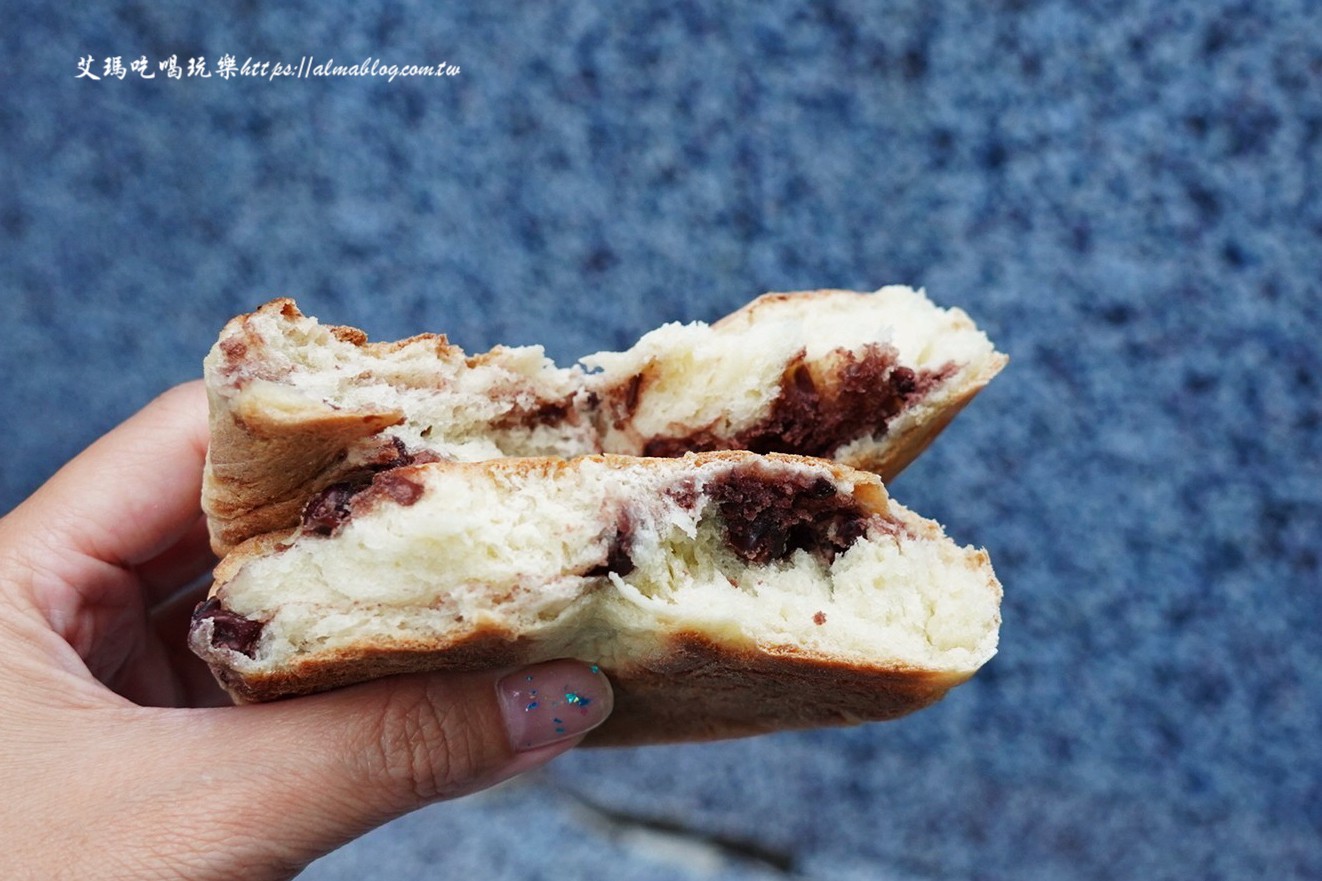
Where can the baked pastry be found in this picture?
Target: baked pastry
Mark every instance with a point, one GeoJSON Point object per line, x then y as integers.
{"type": "Point", "coordinates": [297, 406]}
{"type": "Point", "coordinates": [724, 593]}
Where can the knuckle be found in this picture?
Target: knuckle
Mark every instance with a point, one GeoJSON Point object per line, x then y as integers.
{"type": "Point", "coordinates": [425, 745]}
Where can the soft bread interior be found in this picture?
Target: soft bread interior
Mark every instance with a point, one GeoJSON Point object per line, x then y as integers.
{"type": "Point", "coordinates": [602, 557]}
{"type": "Point", "coordinates": [723, 375]}
{"type": "Point", "coordinates": [719, 378]}
{"type": "Point", "coordinates": [280, 363]}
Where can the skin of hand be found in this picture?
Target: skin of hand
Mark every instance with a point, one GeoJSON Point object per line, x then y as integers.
{"type": "Point", "coordinates": [120, 757]}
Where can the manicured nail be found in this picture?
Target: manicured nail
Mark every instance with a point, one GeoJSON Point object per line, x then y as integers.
{"type": "Point", "coordinates": [553, 702]}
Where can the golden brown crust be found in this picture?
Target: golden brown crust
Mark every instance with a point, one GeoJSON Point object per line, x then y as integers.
{"type": "Point", "coordinates": [698, 690]}
{"type": "Point", "coordinates": [749, 312]}
{"type": "Point", "coordinates": [691, 689]}
{"type": "Point", "coordinates": [484, 649]}
{"type": "Point", "coordinates": [906, 444]}
{"type": "Point", "coordinates": [241, 327]}
{"type": "Point", "coordinates": [260, 471]}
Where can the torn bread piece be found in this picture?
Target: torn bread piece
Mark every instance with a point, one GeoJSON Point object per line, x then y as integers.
{"type": "Point", "coordinates": [865, 379]}
{"type": "Point", "coordinates": [724, 594]}
{"type": "Point", "coordinates": [296, 406]}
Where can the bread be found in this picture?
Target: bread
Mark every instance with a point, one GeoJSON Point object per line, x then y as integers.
{"type": "Point", "coordinates": [296, 406]}
{"type": "Point", "coordinates": [723, 593]}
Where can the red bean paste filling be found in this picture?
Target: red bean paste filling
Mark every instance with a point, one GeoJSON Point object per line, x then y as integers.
{"type": "Point", "coordinates": [228, 629]}
{"type": "Point", "coordinates": [542, 413]}
{"type": "Point", "coordinates": [769, 515]}
{"type": "Point", "coordinates": [618, 557]}
{"type": "Point", "coordinates": [329, 509]}
{"type": "Point", "coordinates": [869, 391]}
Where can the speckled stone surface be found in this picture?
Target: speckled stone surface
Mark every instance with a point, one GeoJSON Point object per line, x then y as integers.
{"type": "Point", "coordinates": [1126, 196]}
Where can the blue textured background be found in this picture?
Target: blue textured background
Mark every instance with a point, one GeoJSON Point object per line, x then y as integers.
{"type": "Point", "coordinates": [1125, 196]}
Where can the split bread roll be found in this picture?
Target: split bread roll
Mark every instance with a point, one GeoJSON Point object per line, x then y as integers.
{"type": "Point", "coordinates": [864, 379]}
{"type": "Point", "coordinates": [724, 594]}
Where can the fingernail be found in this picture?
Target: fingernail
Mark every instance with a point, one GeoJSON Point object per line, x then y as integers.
{"type": "Point", "coordinates": [553, 702]}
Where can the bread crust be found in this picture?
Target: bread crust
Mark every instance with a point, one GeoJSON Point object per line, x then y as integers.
{"type": "Point", "coordinates": [261, 470]}
{"type": "Point", "coordinates": [691, 689]}
{"type": "Point", "coordinates": [695, 689]}
{"type": "Point", "coordinates": [902, 447]}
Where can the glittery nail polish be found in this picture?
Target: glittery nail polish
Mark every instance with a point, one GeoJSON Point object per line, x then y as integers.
{"type": "Point", "coordinates": [553, 702]}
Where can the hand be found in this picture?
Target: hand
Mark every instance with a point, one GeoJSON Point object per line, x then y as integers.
{"type": "Point", "coordinates": [120, 757]}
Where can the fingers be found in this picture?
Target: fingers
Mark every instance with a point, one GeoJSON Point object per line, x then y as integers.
{"type": "Point", "coordinates": [310, 773]}
{"type": "Point", "coordinates": [186, 560]}
{"type": "Point", "coordinates": [132, 494]}
{"type": "Point", "coordinates": [194, 685]}
{"type": "Point", "coordinates": [387, 747]}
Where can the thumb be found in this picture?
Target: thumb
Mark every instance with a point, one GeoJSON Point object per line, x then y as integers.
{"type": "Point", "coordinates": [291, 780]}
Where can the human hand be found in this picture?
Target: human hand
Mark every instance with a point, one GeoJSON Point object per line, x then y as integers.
{"type": "Point", "coordinates": [119, 755]}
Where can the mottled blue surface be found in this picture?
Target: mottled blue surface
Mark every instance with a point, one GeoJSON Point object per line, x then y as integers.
{"type": "Point", "coordinates": [1125, 196]}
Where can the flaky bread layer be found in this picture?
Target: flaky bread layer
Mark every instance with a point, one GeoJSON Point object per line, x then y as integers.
{"type": "Point", "coordinates": [723, 593]}
{"type": "Point", "coordinates": [866, 379]}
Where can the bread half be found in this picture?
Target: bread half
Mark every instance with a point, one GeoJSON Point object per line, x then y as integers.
{"type": "Point", "coordinates": [724, 594]}
{"type": "Point", "coordinates": [864, 379]}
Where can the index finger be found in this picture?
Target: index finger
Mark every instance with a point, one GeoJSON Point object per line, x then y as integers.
{"type": "Point", "coordinates": [130, 495]}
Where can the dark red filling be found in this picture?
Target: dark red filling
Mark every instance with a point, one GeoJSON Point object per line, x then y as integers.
{"type": "Point", "coordinates": [228, 629]}
{"type": "Point", "coordinates": [539, 413]}
{"type": "Point", "coordinates": [864, 391]}
{"type": "Point", "coordinates": [768, 516]}
{"type": "Point", "coordinates": [330, 509]}
{"type": "Point", "coordinates": [618, 557]}
{"type": "Point", "coordinates": [327, 510]}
